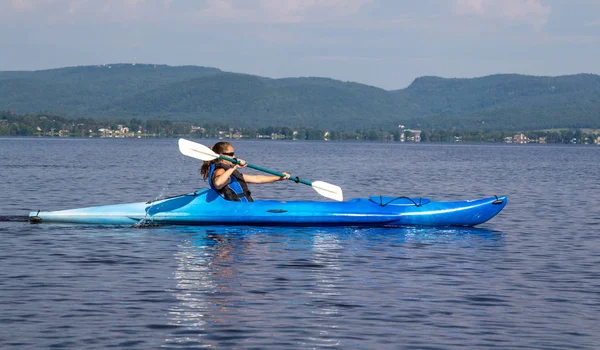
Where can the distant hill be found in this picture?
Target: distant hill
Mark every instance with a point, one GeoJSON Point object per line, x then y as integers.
{"type": "Point", "coordinates": [82, 90]}
{"type": "Point", "coordinates": [507, 101]}
{"type": "Point", "coordinates": [203, 94]}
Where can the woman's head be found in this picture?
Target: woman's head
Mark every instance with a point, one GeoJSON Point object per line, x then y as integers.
{"type": "Point", "coordinates": [220, 148]}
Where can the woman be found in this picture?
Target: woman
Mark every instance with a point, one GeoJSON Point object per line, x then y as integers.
{"type": "Point", "coordinates": [223, 176]}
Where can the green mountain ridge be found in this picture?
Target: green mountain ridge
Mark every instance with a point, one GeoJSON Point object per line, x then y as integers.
{"type": "Point", "coordinates": [75, 91]}
{"type": "Point", "coordinates": [203, 94]}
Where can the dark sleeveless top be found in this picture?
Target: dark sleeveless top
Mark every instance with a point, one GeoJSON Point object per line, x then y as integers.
{"type": "Point", "coordinates": [235, 190]}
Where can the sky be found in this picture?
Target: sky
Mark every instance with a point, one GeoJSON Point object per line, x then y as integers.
{"type": "Point", "coordinates": [383, 43]}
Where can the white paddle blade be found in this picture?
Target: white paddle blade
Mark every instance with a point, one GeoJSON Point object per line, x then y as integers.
{"type": "Point", "coordinates": [328, 190]}
{"type": "Point", "coordinates": [196, 150]}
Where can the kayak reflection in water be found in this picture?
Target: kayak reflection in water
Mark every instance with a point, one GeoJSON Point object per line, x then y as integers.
{"type": "Point", "coordinates": [223, 176]}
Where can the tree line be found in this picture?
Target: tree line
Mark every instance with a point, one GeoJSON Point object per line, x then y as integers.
{"type": "Point", "coordinates": [52, 125]}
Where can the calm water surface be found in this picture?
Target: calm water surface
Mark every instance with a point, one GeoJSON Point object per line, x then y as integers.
{"type": "Point", "coordinates": [527, 279]}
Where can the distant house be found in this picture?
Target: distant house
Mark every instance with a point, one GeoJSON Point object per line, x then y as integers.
{"type": "Point", "coordinates": [520, 138]}
{"type": "Point", "coordinates": [416, 135]}
{"type": "Point", "coordinates": [197, 129]}
{"type": "Point", "coordinates": [410, 135]}
{"type": "Point", "coordinates": [122, 131]}
{"type": "Point", "coordinates": [105, 132]}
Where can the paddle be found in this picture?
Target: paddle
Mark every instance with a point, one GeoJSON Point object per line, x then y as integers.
{"type": "Point", "coordinates": [198, 151]}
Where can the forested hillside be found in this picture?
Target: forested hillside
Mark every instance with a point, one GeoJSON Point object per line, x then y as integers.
{"type": "Point", "coordinates": [202, 95]}
{"type": "Point", "coordinates": [506, 101]}
{"type": "Point", "coordinates": [82, 90]}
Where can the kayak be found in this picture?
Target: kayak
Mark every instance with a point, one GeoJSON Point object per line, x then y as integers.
{"type": "Point", "coordinates": [207, 207]}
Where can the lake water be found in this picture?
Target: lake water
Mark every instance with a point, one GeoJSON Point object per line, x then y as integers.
{"type": "Point", "coordinates": [527, 279]}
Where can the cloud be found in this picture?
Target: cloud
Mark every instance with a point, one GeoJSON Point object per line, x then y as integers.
{"type": "Point", "coordinates": [281, 11]}
{"type": "Point", "coordinates": [68, 11]}
{"type": "Point", "coordinates": [315, 8]}
{"type": "Point", "coordinates": [20, 4]}
{"type": "Point", "coordinates": [531, 12]}
{"type": "Point", "coordinates": [343, 58]}
{"type": "Point", "coordinates": [266, 11]}
{"type": "Point", "coordinates": [469, 7]}
{"type": "Point", "coordinates": [593, 23]}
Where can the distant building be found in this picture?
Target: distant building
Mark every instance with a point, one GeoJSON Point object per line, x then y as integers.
{"type": "Point", "coordinates": [410, 135]}
{"type": "Point", "coordinates": [520, 138]}
{"type": "Point", "coordinates": [105, 132]}
{"type": "Point", "coordinates": [122, 131]}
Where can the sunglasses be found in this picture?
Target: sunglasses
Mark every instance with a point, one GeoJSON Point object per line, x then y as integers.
{"type": "Point", "coordinates": [229, 154]}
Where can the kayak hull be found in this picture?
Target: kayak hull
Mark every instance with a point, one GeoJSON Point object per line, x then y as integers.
{"type": "Point", "coordinates": [206, 207]}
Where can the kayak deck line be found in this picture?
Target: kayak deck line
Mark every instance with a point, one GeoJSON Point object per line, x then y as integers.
{"type": "Point", "coordinates": [193, 194]}
{"type": "Point", "coordinates": [398, 198]}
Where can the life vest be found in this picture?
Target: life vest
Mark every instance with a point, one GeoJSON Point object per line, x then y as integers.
{"type": "Point", "coordinates": [235, 190]}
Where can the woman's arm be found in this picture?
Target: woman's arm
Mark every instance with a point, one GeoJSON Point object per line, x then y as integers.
{"type": "Point", "coordinates": [263, 179]}
{"type": "Point", "coordinates": [221, 177]}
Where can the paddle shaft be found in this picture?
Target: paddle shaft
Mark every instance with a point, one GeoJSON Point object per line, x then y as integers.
{"type": "Point", "coordinates": [276, 173]}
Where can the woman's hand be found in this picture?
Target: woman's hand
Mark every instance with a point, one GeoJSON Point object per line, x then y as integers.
{"type": "Point", "coordinates": [240, 163]}
{"type": "Point", "coordinates": [287, 176]}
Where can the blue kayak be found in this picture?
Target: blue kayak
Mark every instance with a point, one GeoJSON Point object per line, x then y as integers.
{"type": "Point", "coordinates": [206, 207]}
